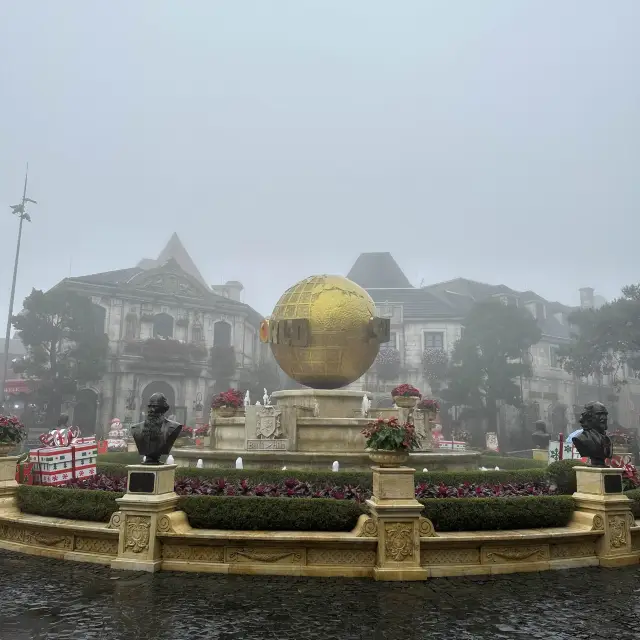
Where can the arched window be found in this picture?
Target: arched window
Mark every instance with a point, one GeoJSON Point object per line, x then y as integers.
{"type": "Point", "coordinates": [196, 334]}
{"type": "Point", "coordinates": [131, 327]}
{"type": "Point", "coordinates": [222, 334]}
{"type": "Point", "coordinates": [162, 326]}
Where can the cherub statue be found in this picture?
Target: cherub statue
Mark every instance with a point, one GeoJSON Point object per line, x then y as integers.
{"type": "Point", "coordinates": [247, 399]}
{"type": "Point", "coordinates": [266, 399]}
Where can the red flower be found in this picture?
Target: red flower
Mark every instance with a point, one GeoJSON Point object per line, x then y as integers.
{"type": "Point", "coordinates": [406, 390]}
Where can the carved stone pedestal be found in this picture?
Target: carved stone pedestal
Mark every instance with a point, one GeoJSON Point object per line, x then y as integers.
{"type": "Point", "coordinates": [601, 503]}
{"type": "Point", "coordinates": [144, 511]}
{"type": "Point", "coordinates": [8, 484]}
{"type": "Point", "coordinates": [396, 513]}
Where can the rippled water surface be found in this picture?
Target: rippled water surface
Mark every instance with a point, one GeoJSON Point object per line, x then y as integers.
{"type": "Point", "coordinates": [45, 599]}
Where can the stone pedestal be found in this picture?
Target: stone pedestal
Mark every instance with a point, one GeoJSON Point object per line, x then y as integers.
{"type": "Point", "coordinates": [397, 515]}
{"type": "Point", "coordinates": [600, 502]}
{"type": "Point", "coordinates": [144, 511]}
{"type": "Point", "coordinates": [8, 484]}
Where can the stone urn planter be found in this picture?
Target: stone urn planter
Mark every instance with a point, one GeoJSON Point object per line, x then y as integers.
{"type": "Point", "coordinates": [225, 412]}
{"type": "Point", "coordinates": [6, 449]}
{"type": "Point", "coordinates": [181, 442]}
{"type": "Point", "coordinates": [388, 459]}
{"type": "Point", "coordinates": [405, 402]}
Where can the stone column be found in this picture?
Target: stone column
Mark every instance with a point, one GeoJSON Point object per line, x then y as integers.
{"type": "Point", "coordinates": [144, 510]}
{"type": "Point", "coordinates": [601, 503]}
{"type": "Point", "coordinates": [396, 513]}
{"type": "Point", "coordinates": [8, 484]}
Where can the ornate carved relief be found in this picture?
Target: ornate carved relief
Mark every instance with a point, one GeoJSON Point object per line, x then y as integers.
{"type": "Point", "coordinates": [192, 553]}
{"type": "Point", "coordinates": [495, 555]}
{"type": "Point", "coordinates": [115, 520]}
{"type": "Point", "coordinates": [103, 546]}
{"type": "Point", "coordinates": [573, 550]}
{"type": "Point", "coordinates": [426, 529]}
{"type": "Point", "coordinates": [369, 529]}
{"type": "Point", "coordinates": [598, 523]}
{"type": "Point", "coordinates": [449, 556]}
{"type": "Point", "coordinates": [398, 541]}
{"type": "Point", "coordinates": [268, 423]}
{"type": "Point", "coordinates": [137, 533]}
{"type": "Point", "coordinates": [341, 556]}
{"type": "Point", "coordinates": [164, 524]}
{"type": "Point", "coordinates": [36, 538]}
{"type": "Point", "coordinates": [618, 537]}
{"type": "Point", "coordinates": [264, 555]}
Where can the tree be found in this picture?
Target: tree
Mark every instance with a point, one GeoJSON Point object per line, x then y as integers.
{"type": "Point", "coordinates": [64, 345]}
{"type": "Point", "coordinates": [605, 339]}
{"type": "Point", "coordinates": [264, 376]}
{"type": "Point", "coordinates": [489, 358]}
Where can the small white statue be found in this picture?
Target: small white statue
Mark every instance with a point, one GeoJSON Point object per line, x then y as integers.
{"type": "Point", "coordinates": [247, 399]}
{"type": "Point", "coordinates": [266, 399]}
{"type": "Point", "coordinates": [170, 459]}
{"type": "Point", "coordinates": [316, 409]}
{"type": "Point", "coordinates": [366, 405]}
{"type": "Point", "coordinates": [335, 467]}
{"type": "Point", "coordinates": [258, 403]}
{"type": "Point", "coordinates": [239, 464]}
{"type": "Point", "coordinates": [199, 464]}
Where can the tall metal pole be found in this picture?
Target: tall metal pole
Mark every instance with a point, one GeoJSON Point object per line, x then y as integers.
{"type": "Point", "coordinates": [20, 211]}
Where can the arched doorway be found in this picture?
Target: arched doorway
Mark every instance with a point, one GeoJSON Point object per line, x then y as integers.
{"type": "Point", "coordinates": [222, 334]}
{"type": "Point", "coordinates": [86, 411]}
{"type": "Point", "coordinates": [158, 387]}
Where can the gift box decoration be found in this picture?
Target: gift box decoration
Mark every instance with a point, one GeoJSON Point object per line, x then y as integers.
{"type": "Point", "coordinates": [85, 455]}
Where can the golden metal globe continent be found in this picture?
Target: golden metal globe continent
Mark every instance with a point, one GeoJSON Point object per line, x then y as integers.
{"type": "Point", "coordinates": [341, 346]}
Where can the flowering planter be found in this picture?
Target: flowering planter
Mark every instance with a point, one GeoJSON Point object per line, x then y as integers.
{"type": "Point", "coordinates": [6, 449]}
{"type": "Point", "coordinates": [405, 402]}
{"type": "Point", "coordinates": [181, 442]}
{"type": "Point", "coordinates": [225, 412]}
{"type": "Point", "coordinates": [389, 459]}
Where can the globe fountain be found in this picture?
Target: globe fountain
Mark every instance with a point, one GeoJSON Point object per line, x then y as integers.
{"type": "Point", "coordinates": [324, 334]}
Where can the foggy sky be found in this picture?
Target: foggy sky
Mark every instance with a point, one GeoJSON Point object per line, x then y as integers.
{"type": "Point", "coordinates": [497, 140]}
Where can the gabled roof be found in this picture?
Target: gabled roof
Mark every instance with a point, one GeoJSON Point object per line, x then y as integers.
{"type": "Point", "coordinates": [378, 271]}
{"type": "Point", "coordinates": [119, 276]}
{"type": "Point", "coordinates": [417, 304]}
{"type": "Point", "coordinates": [174, 249]}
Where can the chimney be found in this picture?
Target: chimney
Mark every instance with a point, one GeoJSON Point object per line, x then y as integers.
{"type": "Point", "coordinates": [586, 298]}
{"type": "Point", "coordinates": [231, 290]}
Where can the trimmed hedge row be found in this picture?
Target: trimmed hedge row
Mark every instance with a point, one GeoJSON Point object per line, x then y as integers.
{"type": "Point", "coordinates": [495, 514]}
{"type": "Point", "coordinates": [363, 479]}
{"type": "Point", "coordinates": [303, 514]}
{"type": "Point", "coordinates": [634, 495]}
{"type": "Point", "coordinates": [562, 475]}
{"type": "Point", "coordinates": [74, 504]}
{"type": "Point", "coordinates": [492, 460]}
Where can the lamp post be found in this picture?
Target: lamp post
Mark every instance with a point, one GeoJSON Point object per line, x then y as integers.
{"type": "Point", "coordinates": [20, 211]}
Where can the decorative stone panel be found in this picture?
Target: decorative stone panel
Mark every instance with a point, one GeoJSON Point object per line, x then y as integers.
{"type": "Point", "coordinates": [191, 553]}
{"type": "Point", "coordinates": [509, 554]}
{"type": "Point", "coordinates": [573, 550]}
{"type": "Point", "coordinates": [264, 555]}
{"type": "Point", "coordinates": [449, 556]}
{"type": "Point", "coordinates": [102, 546]}
{"type": "Point", "coordinates": [351, 557]}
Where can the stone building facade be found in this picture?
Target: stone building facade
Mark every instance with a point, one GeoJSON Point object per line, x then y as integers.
{"type": "Point", "coordinates": [166, 327]}
{"type": "Point", "coordinates": [431, 317]}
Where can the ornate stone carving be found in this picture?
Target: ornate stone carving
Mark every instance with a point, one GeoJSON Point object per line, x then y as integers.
{"type": "Point", "coordinates": [268, 425]}
{"type": "Point", "coordinates": [398, 541]}
{"type": "Point", "coordinates": [426, 529]}
{"type": "Point", "coordinates": [341, 556]}
{"type": "Point", "coordinates": [598, 523]}
{"type": "Point", "coordinates": [449, 556]}
{"type": "Point", "coordinates": [164, 524]}
{"type": "Point", "coordinates": [137, 533]}
{"type": "Point", "coordinates": [516, 554]}
{"type": "Point", "coordinates": [192, 553]}
{"type": "Point", "coordinates": [573, 550]}
{"type": "Point", "coordinates": [369, 529]}
{"type": "Point", "coordinates": [36, 538]}
{"type": "Point", "coordinates": [618, 532]}
{"type": "Point", "coordinates": [102, 546]}
{"type": "Point", "coordinates": [115, 520]}
{"type": "Point", "coordinates": [264, 555]}
{"type": "Point", "coordinates": [632, 520]}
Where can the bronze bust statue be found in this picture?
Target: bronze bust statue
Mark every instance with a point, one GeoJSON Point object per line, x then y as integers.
{"type": "Point", "coordinates": [540, 436]}
{"type": "Point", "coordinates": [593, 442]}
{"type": "Point", "coordinates": [155, 436]}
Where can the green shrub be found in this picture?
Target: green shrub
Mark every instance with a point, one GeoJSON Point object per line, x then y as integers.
{"type": "Point", "coordinates": [74, 504]}
{"type": "Point", "coordinates": [634, 495]}
{"type": "Point", "coordinates": [270, 514]}
{"type": "Point", "coordinates": [562, 475]}
{"type": "Point", "coordinates": [509, 463]}
{"type": "Point", "coordinates": [493, 514]}
{"type": "Point", "coordinates": [120, 457]}
{"type": "Point", "coordinates": [455, 478]}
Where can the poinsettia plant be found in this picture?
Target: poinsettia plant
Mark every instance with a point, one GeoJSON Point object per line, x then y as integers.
{"type": "Point", "coordinates": [387, 434]}
{"type": "Point", "coordinates": [231, 398]}
{"type": "Point", "coordinates": [12, 431]}
{"type": "Point", "coordinates": [406, 390]}
{"type": "Point", "coordinates": [429, 405]}
{"type": "Point", "coordinates": [195, 432]}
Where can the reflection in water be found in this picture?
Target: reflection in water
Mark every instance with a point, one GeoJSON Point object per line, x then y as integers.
{"type": "Point", "coordinates": [54, 600]}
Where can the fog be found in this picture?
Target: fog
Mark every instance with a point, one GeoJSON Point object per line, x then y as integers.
{"type": "Point", "coordinates": [495, 140]}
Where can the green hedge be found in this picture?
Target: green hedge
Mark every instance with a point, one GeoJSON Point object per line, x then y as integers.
{"type": "Point", "coordinates": [270, 514]}
{"type": "Point", "coordinates": [492, 460]}
{"type": "Point", "coordinates": [562, 475]}
{"type": "Point", "coordinates": [74, 504]}
{"type": "Point", "coordinates": [362, 479]}
{"type": "Point", "coordinates": [634, 495]}
{"type": "Point", "coordinates": [493, 514]}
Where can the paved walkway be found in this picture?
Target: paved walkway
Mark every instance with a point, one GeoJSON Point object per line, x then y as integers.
{"type": "Point", "coordinates": [50, 600]}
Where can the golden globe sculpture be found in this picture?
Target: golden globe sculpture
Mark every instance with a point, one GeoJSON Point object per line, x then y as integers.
{"type": "Point", "coordinates": [324, 332]}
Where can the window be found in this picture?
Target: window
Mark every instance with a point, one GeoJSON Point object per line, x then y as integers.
{"type": "Point", "coordinates": [222, 334]}
{"type": "Point", "coordinates": [554, 360]}
{"type": "Point", "coordinates": [131, 327]}
{"type": "Point", "coordinates": [196, 334]}
{"type": "Point", "coordinates": [163, 326]}
{"type": "Point", "coordinates": [434, 340]}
